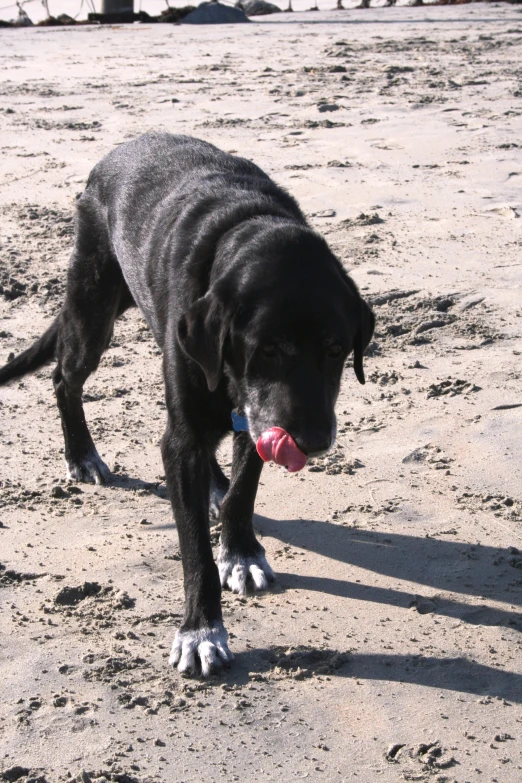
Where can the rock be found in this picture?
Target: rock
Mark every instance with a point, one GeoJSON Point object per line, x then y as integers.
{"type": "Point", "coordinates": [215, 13]}
{"type": "Point", "coordinates": [69, 596]}
{"type": "Point", "coordinates": [328, 107]}
{"type": "Point", "coordinates": [258, 7]}
{"type": "Point", "coordinates": [371, 220]}
{"type": "Point", "coordinates": [337, 164]}
{"type": "Point", "coordinates": [503, 737]}
{"type": "Point", "coordinates": [65, 19]}
{"type": "Point", "coordinates": [175, 15]}
{"type": "Point", "coordinates": [324, 213]}
{"type": "Point", "coordinates": [57, 21]}
{"type": "Point", "coordinates": [59, 492]}
{"type": "Point", "coordinates": [423, 605]}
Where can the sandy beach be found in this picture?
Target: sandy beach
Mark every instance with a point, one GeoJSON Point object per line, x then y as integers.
{"type": "Point", "coordinates": [390, 647]}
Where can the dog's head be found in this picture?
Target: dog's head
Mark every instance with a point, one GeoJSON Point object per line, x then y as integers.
{"type": "Point", "coordinates": [279, 327]}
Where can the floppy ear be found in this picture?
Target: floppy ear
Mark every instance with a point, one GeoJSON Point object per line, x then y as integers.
{"type": "Point", "coordinates": [202, 332]}
{"type": "Point", "coordinates": [362, 338]}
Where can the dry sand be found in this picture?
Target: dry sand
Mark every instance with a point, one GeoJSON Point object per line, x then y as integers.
{"type": "Point", "coordinates": [395, 627]}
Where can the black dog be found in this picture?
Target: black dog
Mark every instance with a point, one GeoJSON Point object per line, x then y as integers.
{"type": "Point", "coordinates": [253, 313]}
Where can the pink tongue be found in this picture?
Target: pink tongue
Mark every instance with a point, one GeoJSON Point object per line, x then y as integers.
{"type": "Point", "coordinates": [277, 445]}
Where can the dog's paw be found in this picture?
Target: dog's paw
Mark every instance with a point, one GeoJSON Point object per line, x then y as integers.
{"type": "Point", "coordinates": [205, 650]}
{"type": "Point", "coordinates": [90, 468]}
{"type": "Point", "coordinates": [238, 572]}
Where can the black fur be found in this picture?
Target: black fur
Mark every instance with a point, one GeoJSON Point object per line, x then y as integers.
{"type": "Point", "coordinates": [251, 310]}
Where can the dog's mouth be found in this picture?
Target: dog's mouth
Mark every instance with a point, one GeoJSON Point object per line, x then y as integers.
{"type": "Point", "coordinates": [278, 446]}
{"type": "Point", "coordinates": [275, 444]}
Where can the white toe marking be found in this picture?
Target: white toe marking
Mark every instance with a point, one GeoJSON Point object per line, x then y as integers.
{"type": "Point", "coordinates": [258, 577]}
{"type": "Point", "coordinates": [207, 657]}
{"type": "Point", "coordinates": [208, 645]}
{"type": "Point", "coordinates": [175, 653]}
{"type": "Point", "coordinates": [235, 571]}
{"type": "Point", "coordinates": [188, 661]}
{"type": "Point", "coordinates": [237, 580]}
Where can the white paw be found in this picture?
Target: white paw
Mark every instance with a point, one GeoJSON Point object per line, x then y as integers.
{"type": "Point", "coordinates": [237, 571]}
{"type": "Point", "coordinates": [89, 469]}
{"type": "Point", "coordinates": [207, 647]}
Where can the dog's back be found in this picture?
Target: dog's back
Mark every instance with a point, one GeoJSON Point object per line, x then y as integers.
{"type": "Point", "coordinates": [164, 202]}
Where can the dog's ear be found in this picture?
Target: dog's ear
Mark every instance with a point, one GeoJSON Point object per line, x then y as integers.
{"type": "Point", "coordinates": [363, 336]}
{"type": "Point", "coordinates": [202, 332]}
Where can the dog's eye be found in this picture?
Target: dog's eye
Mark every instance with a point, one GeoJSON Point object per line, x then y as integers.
{"type": "Point", "coordinates": [335, 351]}
{"type": "Point", "coordinates": [269, 350]}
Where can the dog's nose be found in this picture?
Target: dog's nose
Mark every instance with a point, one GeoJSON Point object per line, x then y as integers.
{"type": "Point", "coordinates": [314, 445]}
{"type": "Point", "coordinates": [318, 452]}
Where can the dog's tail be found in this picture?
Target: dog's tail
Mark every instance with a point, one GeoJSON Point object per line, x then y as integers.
{"type": "Point", "coordinates": [34, 357]}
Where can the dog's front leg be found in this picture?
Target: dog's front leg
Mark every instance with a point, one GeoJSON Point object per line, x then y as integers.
{"type": "Point", "coordinates": [241, 558]}
{"type": "Point", "coordinates": [202, 641]}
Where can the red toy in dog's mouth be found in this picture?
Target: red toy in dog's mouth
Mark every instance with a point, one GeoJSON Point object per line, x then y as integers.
{"type": "Point", "coordinates": [277, 445]}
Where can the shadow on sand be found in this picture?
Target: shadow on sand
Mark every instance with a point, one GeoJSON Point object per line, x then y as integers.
{"type": "Point", "coordinates": [439, 564]}
{"type": "Point", "coordinates": [453, 674]}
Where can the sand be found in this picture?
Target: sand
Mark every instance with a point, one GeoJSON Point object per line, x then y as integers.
{"type": "Point", "coordinates": [390, 648]}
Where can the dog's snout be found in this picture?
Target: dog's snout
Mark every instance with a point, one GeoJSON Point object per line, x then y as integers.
{"type": "Point", "coordinates": [317, 452]}
{"type": "Point", "coordinates": [314, 445]}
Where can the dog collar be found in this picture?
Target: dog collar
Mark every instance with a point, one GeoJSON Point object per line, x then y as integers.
{"type": "Point", "coordinates": [239, 422]}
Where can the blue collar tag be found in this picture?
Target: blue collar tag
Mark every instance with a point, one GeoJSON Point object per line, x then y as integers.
{"type": "Point", "coordinates": [239, 423]}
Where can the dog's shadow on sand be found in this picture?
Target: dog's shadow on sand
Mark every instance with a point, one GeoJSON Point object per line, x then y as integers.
{"type": "Point", "coordinates": [439, 564]}
{"type": "Point", "coordinates": [126, 482]}
{"type": "Point", "coordinates": [452, 674]}
{"type": "Point", "coordinates": [447, 566]}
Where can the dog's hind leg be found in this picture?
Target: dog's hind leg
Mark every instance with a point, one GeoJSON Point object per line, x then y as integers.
{"type": "Point", "coordinates": [96, 295]}
{"type": "Point", "coordinates": [241, 560]}
{"type": "Point", "coordinates": [219, 485]}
